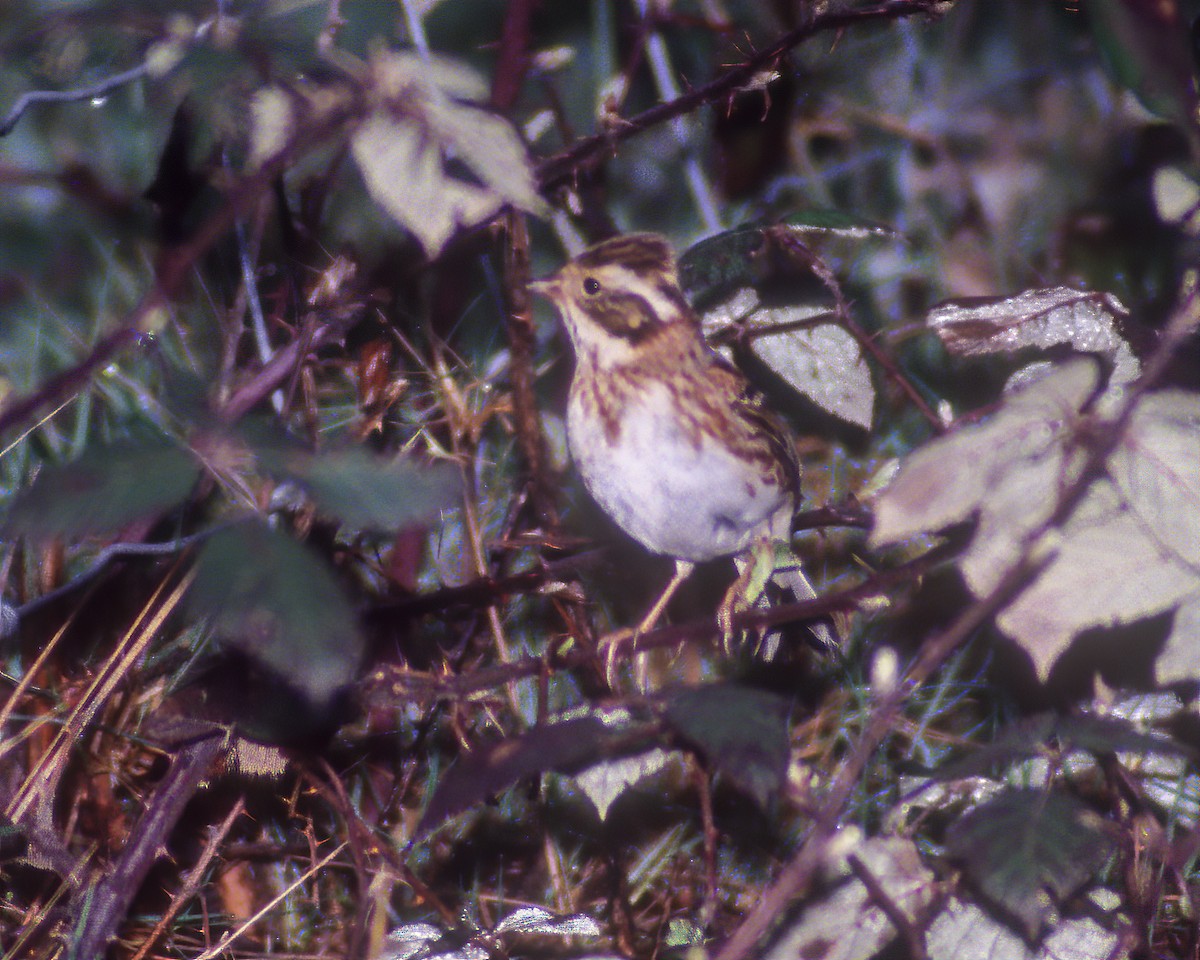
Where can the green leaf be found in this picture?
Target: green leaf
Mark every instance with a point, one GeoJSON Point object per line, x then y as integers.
{"type": "Point", "coordinates": [1026, 849]}
{"type": "Point", "coordinates": [367, 491]}
{"type": "Point", "coordinates": [721, 263]}
{"type": "Point", "coordinates": [107, 488]}
{"type": "Point", "coordinates": [743, 733]}
{"type": "Point", "coordinates": [1144, 45]}
{"type": "Point", "coordinates": [273, 600]}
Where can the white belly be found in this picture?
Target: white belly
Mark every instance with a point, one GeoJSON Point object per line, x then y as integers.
{"type": "Point", "coordinates": [672, 496]}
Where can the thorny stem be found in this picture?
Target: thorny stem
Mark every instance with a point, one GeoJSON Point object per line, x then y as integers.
{"type": "Point", "coordinates": [521, 339]}
{"type": "Point", "coordinates": [557, 170]}
{"type": "Point", "coordinates": [90, 92]}
{"type": "Point", "coordinates": [842, 310]}
{"type": "Point", "coordinates": [391, 683]}
{"type": "Point", "coordinates": [797, 876]}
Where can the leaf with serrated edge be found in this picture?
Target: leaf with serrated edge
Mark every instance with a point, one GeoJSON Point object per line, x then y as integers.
{"type": "Point", "coordinates": [1101, 545]}
{"type": "Point", "coordinates": [402, 168]}
{"type": "Point", "coordinates": [537, 920]}
{"type": "Point", "coordinates": [605, 782]}
{"type": "Point", "coordinates": [419, 122]}
{"type": "Point", "coordinates": [371, 492]}
{"type": "Point", "coordinates": [1157, 470]}
{"type": "Point", "coordinates": [108, 487]}
{"type": "Point", "coordinates": [742, 732]}
{"type": "Point", "coordinates": [1181, 654]}
{"type": "Point", "coordinates": [1135, 532]}
{"type": "Point", "coordinates": [1038, 318]}
{"type": "Point", "coordinates": [1024, 847]}
{"type": "Point", "coordinates": [964, 930]}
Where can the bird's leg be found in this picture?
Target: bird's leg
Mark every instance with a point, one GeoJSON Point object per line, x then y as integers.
{"type": "Point", "coordinates": [755, 566]}
{"type": "Point", "coordinates": [683, 570]}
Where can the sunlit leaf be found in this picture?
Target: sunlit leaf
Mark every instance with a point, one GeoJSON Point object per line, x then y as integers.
{"type": "Point", "coordinates": [110, 486]}
{"type": "Point", "coordinates": [420, 125]}
{"type": "Point", "coordinates": [838, 223]}
{"type": "Point", "coordinates": [272, 599]}
{"type": "Point", "coordinates": [1027, 850]}
{"type": "Point", "coordinates": [743, 733]}
{"type": "Point", "coordinates": [962, 929]}
{"type": "Point", "coordinates": [823, 362]}
{"type": "Point", "coordinates": [848, 922]}
{"type": "Point", "coordinates": [1038, 318]}
{"type": "Point", "coordinates": [1135, 532]}
{"type": "Point", "coordinates": [933, 490]}
{"type": "Point", "coordinates": [537, 920]}
{"type": "Point", "coordinates": [607, 781]}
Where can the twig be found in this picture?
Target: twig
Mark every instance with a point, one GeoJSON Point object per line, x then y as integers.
{"type": "Point", "coordinates": [195, 877]}
{"type": "Point", "coordinates": [393, 682]}
{"type": "Point", "coordinates": [518, 315]}
{"type": "Point", "coordinates": [112, 895]}
{"type": "Point", "coordinates": [114, 551]}
{"type": "Point", "coordinates": [842, 309]}
{"type": "Point", "coordinates": [27, 100]}
{"type": "Point", "coordinates": [513, 62]}
{"type": "Point", "coordinates": [555, 170]}
{"type": "Point", "coordinates": [228, 938]}
{"type": "Point", "coordinates": [914, 939]}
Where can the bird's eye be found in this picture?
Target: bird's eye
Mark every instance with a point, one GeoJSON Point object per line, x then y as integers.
{"type": "Point", "coordinates": [591, 286]}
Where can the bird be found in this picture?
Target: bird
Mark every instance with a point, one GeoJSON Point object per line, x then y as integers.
{"type": "Point", "coordinates": [669, 437]}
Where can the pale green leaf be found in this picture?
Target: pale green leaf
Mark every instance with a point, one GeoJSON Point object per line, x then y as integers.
{"type": "Point", "coordinates": [420, 124]}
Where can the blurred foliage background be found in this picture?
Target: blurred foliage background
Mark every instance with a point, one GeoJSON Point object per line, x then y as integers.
{"type": "Point", "coordinates": [274, 464]}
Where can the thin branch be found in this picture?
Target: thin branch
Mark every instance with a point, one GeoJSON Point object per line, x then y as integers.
{"type": "Point", "coordinates": [512, 64]}
{"type": "Point", "coordinates": [114, 551]}
{"type": "Point", "coordinates": [195, 877]}
{"type": "Point", "coordinates": [518, 316]}
{"type": "Point", "coordinates": [100, 89]}
{"type": "Point", "coordinates": [556, 170]}
{"type": "Point", "coordinates": [800, 251]}
{"type": "Point", "coordinates": [914, 938]}
{"type": "Point", "coordinates": [114, 893]}
{"type": "Point", "coordinates": [390, 683]}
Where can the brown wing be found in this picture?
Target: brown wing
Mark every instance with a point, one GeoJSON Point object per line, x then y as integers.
{"type": "Point", "coordinates": [763, 432]}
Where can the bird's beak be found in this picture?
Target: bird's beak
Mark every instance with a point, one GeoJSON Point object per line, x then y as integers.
{"type": "Point", "coordinates": [546, 288]}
